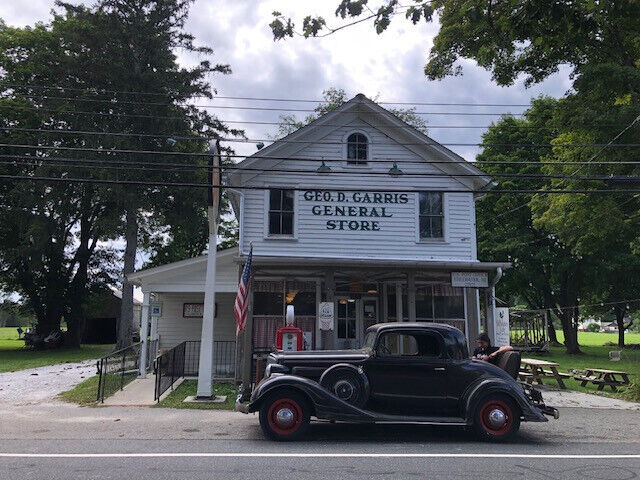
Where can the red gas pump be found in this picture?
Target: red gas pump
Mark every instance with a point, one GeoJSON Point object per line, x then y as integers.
{"type": "Point", "coordinates": [289, 339]}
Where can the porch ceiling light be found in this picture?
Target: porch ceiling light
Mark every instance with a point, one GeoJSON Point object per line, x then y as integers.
{"type": "Point", "coordinates": [323, 168]}
{"type": "Point", "coordinates": [395, 171]}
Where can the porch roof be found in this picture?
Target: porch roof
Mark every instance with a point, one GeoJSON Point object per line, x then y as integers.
{"type": "Point", "coordinates": [374, 263]}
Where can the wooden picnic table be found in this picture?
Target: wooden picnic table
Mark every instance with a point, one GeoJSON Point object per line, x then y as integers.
{"type": "Point", "coordinates": [534, 370]}
{"type": "Point", "coordinates": [603, 377]}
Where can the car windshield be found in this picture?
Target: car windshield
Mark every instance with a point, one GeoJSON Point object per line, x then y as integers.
{"type": "Point", "coordinates": [369, 340]}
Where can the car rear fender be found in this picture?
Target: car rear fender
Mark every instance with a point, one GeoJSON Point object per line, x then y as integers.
{"type": "Point", "coordinates": [480, 389]}
{"type": "Point", "coordinates": [325, 404]}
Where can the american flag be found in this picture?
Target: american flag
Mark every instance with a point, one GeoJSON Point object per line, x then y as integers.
{"type": "Point", "coordinates": [241, 305]}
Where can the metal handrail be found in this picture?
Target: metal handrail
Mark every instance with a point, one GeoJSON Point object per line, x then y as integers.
{"type": "Point", "coordinates": [103, 366]}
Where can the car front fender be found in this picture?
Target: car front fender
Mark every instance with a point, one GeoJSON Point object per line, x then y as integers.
{"type": "Point", "coordinates": [324, 404]}
{"type": "Point", "coordinates": [477, 391]}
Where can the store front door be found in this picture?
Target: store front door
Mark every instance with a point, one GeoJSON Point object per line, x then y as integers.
{"type": "Point", "coordinates": [353, 317]}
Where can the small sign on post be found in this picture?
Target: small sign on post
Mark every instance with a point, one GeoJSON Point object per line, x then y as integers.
{"type": "Point", "coordinates": [470, 279]}
{"type": "Point", "coordinates": [325, 317]}
{"type": "Point", "coordinates": [155, 309]}
{"type": "Point", "coordinates": [502, 327]}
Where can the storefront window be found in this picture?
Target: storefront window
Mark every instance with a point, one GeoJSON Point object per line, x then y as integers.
{"type": "Point", "coordinates": [267, 303]}
{"type": "Point", "coordinates": [302, 295]}
{"type": "Point", "coordinates": [424, 302]}
{"type": "Point", "coordinates": [448, 302]}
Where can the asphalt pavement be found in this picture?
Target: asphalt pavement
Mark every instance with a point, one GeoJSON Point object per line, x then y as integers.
{"type": "Point", "coordinates": [68, 442]}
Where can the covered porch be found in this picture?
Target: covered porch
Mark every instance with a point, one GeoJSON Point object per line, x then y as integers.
{"type": "Point", "coordinates": [365, 292]}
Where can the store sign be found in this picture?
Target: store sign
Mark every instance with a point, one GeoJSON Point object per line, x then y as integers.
{"type": "Point", "coordinates": [470, 279]}
{"type": "Point", "coordinates": [196, 310]}
{"type": "Point", "coordinates": [325, 317]}
{"type": "Point", "coordinates": [355, 211]}
{"type": "Point", "coordinates": [502, 326]}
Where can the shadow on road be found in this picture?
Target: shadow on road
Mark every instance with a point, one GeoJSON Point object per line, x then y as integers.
{"type": "Point", "coordinates": [348, 433]}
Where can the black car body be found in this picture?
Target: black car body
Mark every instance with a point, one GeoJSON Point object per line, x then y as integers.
{"type": "Point", "coordinates": [406, 373]}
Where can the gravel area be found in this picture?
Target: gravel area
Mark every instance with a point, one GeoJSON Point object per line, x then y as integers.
{"type": "Point", "coordinates": [41, 385]}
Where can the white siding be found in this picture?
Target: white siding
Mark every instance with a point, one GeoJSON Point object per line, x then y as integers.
{"type": "Point", "coordinates": [397, 237]}
{"type": "Point", "coordinates": [173, 328]}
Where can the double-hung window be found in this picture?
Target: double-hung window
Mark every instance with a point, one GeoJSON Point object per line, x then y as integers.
{"type": "Point", "coordinates": [357, 149]}
{"type": "Point", "coordinates": [431, 216]}
{"type": "Point", "coordinates": [281, 206]}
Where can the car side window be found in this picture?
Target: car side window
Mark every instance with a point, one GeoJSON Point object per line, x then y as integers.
{"type": "Point", "coordinates": [423, 344]}
{"type": "Point", "coordinates": [397, 344]}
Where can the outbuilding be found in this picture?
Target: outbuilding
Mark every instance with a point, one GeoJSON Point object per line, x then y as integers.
{"type": "Point", "coordinates": [357, 210]}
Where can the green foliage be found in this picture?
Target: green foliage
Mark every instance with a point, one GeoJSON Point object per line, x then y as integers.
{"type": "Point", "coordinates": [593, 327]}
{"type": "Point", "coordinates": [118, 61]}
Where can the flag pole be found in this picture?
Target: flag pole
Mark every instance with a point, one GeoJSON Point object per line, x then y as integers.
{"type": "Point", "coordinates": [207, 338]}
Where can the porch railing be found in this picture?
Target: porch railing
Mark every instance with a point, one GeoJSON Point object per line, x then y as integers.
{"type": "Point", "coordinates": [116, 370]}
{"type": "Point", "coordinates": [183, 361]}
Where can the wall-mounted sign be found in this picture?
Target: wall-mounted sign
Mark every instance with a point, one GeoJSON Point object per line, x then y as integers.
{"type": "Point", "coordinates": [501, 327]}
{"type": "Point", "coordinates": [355, 211]}
{"type": "Point", "coordinates": [470, 279]}
{"type": "Point", "coordinates": [196, 310]}
{"type": "Point", "coordinates": [325, 316]}
{"type": "Point", "coordinates": [155, 309]}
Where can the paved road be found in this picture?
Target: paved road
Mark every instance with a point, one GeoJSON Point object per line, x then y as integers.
{"type": "Point", "coordinates": [150, 443]}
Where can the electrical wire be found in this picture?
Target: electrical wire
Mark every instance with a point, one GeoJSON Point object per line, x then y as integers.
{"type": "Point", "coordinates": [30, 160]}
{"type": "Point", "coordinates": [307, 142]}
{"type": "Point", "coordinates": [306, 189]}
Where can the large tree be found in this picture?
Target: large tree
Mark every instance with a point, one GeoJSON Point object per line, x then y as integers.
{"type": "Point", "coordinates": [546, 275]}
{"type": "Point", "coordinates": [112, 71]}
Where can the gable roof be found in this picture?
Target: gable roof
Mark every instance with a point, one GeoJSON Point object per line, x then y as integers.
{"type": "Point", "coordinates": [388, 123]}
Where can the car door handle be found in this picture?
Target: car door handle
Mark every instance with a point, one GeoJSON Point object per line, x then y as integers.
{"type": "Point", "coordinates": [439, 369]}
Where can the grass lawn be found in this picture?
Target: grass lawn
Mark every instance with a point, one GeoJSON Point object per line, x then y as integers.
{"type": "Point", "coordinates": [84, 393]}
{"type": "Point", "coordinates": [14, 356]}
{"type": "Point", "coordinates": [595, 354]}
{"type": "Point", "coordinates": [189, 387]}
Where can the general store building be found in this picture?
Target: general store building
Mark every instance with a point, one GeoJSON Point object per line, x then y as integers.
{"type": "Point", "coordinates": [358, 209]}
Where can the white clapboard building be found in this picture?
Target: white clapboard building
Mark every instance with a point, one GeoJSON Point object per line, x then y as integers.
{"type": "Point", "coordinates": [358, 210]}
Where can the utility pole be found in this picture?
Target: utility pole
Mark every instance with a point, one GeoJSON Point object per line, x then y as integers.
{"type": "Point", "coordinates": [207, 343]}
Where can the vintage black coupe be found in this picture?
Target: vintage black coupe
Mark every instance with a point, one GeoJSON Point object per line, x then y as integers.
{"type": "Point", "coordinates": [405, 373]}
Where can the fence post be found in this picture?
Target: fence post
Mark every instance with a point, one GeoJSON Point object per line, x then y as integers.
{"type": "Point", "coordinates": [99, 367]}
{"type": "Point", "coordinates": [173, 366]}
{"type": "Point", "coordinates": [124, 354]}
{"type": "Point", "coordinates": [105, 369]}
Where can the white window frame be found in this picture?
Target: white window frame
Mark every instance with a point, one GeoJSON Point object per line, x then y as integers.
{"type": "Point", "coordinates": [445, 218]}
{"type": "Point", "coordinates": [267, 205]}
{"type": "Point", "coordinates": [345, 150]}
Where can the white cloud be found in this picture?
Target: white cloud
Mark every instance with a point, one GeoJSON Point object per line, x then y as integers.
{"type": "Point", "coordinates": [356, 59]}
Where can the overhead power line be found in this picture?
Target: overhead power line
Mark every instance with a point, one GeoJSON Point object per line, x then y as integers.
{"type": "Point", "coordinates": [299, 189]}
{"type": "Point", "coordinates": [303, 110]}
{"type": "Point", "coordinates": [180, 167]}
{"type": "Point", "coordinates": [307, 142]}
{"type": "Point", "coordinates": [266, 157]}
{"type": "Point", "coordinates": [262, 99]}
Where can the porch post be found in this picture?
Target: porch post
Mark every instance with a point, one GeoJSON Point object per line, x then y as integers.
{"type": "Point", "coordinates": [411, 296]}
{"type": "Point", "coordinates": [329, 286]}
{"type": "Point", "coordinates": [473, 315]}
{"type": "Point", "coordinates": [144, 324]}
{"type": "Point", "coordinates": [399, 301]}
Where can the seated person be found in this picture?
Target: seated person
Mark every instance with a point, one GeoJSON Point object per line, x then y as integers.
{"type": "Point", "coordinates": [486, 352]}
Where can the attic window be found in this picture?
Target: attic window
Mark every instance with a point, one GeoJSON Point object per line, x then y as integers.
{"type": "Point", "coordinates": [357, 149]}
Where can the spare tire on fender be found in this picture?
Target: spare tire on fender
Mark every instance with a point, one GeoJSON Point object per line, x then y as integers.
{"type": "Point", "coordinates": [348, 383]}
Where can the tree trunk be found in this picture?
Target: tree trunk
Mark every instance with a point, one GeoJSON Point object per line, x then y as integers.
{"type": "Point", "coordinates": [570, 332]}
{"type": "Point", "coordinates": [126, 311]}
{"type": "Point", "coordinates": [551, 330]}
{"type": "Point", "coordinates": [620, 321]}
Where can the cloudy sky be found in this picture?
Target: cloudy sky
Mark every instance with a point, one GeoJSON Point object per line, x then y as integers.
{"type": "Point", "coordinates": [388, 66]}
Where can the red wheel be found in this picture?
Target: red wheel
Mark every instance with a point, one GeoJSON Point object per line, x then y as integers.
{"type": "Point", "coordinates": [284, 415]}
{"type": "Point", "coordinates": [497, 418]}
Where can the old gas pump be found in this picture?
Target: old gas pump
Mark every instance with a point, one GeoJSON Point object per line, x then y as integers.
{"type": "Point", "coordinates": [289, 338]}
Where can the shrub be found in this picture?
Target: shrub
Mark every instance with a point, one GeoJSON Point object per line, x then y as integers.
{"type": "Point", "coordinates": [593, 327]}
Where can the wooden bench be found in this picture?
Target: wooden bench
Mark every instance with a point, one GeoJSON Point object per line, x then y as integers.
{"type": "Point", "coordinates": [549, 373]}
